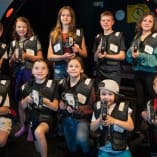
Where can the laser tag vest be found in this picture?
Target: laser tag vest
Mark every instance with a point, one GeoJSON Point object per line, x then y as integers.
{"type": "Point", "coordinates": [3, 48]}
{"type": "Point", "coordinates": [78, 96]}
{"type": "Point", "coordinates": [48, 89]}
{"type": "Point", "coordinates": [148, 45]}
{"type": "Point", "coordinates": [58, 48]}
{"type": "Point", "coordinates": [58, 45]}
{"type": "Point", "coordinates": [110, 43]}
{"type": "Point", "coordinates": [30, 46]}
{"type": "Point", "coordinates": [82, 90]}
{"type": "Point", "coordinates": [118, 134]}
{"type": "Point", "coordinates": [4, 88]}
{"type": "Point", "coordinates": [152, 112]}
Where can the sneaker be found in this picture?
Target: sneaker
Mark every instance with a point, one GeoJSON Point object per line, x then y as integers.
{"type": "Point", "coordinates": [20, 132]}
{"type": "Point", "coordinates": [30, 135]}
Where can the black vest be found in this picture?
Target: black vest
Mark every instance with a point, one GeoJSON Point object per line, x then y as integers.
{"type": "Point", "coordinates": [118, 135]}
{"type": "Point", "coordinates": [48, 90]}
{"type": "Point", "coordinates": [4, 89]}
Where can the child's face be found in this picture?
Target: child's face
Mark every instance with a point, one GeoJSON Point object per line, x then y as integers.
{"type": "Point", "coordinates": [21, 28]}
{"type": "Point", "coordinates": [65, 17]}
{"type": "Point", "coordinates": [40, 71]}
{"type": "Point", "coordinates": [107, 96]}
{"type": "Point", "coordinates": [74, 68]}
{"type": "Point", "coordinates": [106, 22]}
{"type": "Point", "coordinates": [155, 85]}
{"type": "Point", "coordinates": [147, 23]}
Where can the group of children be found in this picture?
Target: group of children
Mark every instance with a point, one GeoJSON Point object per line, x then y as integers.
{"type": "Point", "coordinates": [85, 104]}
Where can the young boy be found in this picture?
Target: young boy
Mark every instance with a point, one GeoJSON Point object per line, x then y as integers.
{"type": "Point", "coordinates": [112, 119]}
{"type": "Point", "coordinates": [108, 49]}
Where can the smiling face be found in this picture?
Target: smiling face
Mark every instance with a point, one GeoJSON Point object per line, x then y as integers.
{"type": "Point", "coordinates": [107, 96]}
{"type": "Point", "coordinates": [40, 71]}
{"type": "Point", "coordinates": [74, 68]}
{"type": "Point", "coordinates": [147, 23]}
{"type": "Point", "coordinates": [106, 22]}
{"type": "Point", "coordinates": [21, 28]}
{"type": "Point", "coordinates": [65, 17]}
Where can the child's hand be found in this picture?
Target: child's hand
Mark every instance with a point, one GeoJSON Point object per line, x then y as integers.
{"type": "Point", "coordinates": [76, 48]}
{"type": "Point", "coordinates": [62, 105]}
{"type": "Point", "coordinates": [109, 121]}
{"type": "Point", "coordinates": [102, 55]}
{"type": "Point", "coordinates": [155, 121]}
{"type": "Point", "coordinates": [29, 99]}
{"type": "Point", "coordinates": [70, 109]}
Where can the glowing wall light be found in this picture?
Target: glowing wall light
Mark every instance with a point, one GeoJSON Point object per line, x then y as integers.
{"type": "Point", "coordinates": [9, 12]}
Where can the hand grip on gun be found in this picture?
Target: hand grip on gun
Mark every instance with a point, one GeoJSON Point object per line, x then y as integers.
{"type": "Point", "coordinates": [104, 110]}
{"type": "Point", "coordinates": [37, 98]}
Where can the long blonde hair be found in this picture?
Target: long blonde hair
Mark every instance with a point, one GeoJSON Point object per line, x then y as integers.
{"type": "Point", "coordinates": [56, 32]}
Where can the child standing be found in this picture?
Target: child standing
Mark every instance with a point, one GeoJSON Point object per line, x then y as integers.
{"type": "Point", "coordinates": [142, 54]}
{"type": "Point", "coordinates": [150, 116]}
{"type": "Point", "coordinates": [112, 119]}
{"type": "Point", "coordinates": [109, 50]}
{"type": "Point", "coordinates": [66, 41]}
{"type": "Point", "coordinates": [3, 56]}
{"type": "Point", "coordinates": [24, 50]}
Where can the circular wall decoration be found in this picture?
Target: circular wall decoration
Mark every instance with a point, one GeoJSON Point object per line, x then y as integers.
{"type": "Point", "coordinates": [120, 15]}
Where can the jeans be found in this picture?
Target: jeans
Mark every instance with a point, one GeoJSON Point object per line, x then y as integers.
{"type": "Point", "coordinates": [60, 71]}
{"type": "Point", "coordinates": [21, 77]}
{"type": "Point", "coordinates": [76, 134]}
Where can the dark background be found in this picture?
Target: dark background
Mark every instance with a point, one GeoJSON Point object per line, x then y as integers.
{"type": "Point", "coordinates": [42, 15]}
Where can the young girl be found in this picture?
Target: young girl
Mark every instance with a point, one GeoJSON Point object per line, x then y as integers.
{"type": "Point", "coordinates": [142, 54]}
{"type": "Point", "coordinates": [77, 98]}
{"type": "Point", "coordinates": [41, 98]}
{"type": "Point", "coordinates": [24, 50]}
{"type": "Point", "coordinates": [65, 42]}
{"type": "Point", "coordinates": [112, 119]}
{"type": "Point", "coordinates": [150, 116]}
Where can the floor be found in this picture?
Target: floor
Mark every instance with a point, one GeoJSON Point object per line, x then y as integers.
{"type": "Point", "coordinates": [20, 147]}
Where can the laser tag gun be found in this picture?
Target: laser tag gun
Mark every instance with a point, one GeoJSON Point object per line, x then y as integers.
{"type": "Point", "coordinates": [151, 112]}
{"type": "Point", "coordinates": [69, 43]}
{"type": "Point", "coordinates": [102, 133]}
{"type": "Point", "coordinates": [104, 110]}
{"type": "Point", "coordinates": [37, 99]}
{"type": "Point", "coordinates": [70, 100]}
{"type": "Point", "coordinates": [136, 43]}
{"type": "Point", "coordinates": [19, 52]}
{"type": "Point", "coordinates": [135, 46]}
{"type": "Point", "coordinates": [103, 45]}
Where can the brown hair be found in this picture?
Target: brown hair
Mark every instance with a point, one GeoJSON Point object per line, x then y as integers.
{"type": "Point", "coordinates": [29, 29]}
{"type": "Point", "coordinates": [56, 32]}
{"type": "Point", "coordinates": [106, 13]}
{"type": "Point", "coordinates": [79, 59]}
{"type": "Point", "coordinates": [138, 24]}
